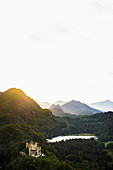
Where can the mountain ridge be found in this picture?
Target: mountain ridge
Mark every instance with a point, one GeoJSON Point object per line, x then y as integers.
{"type": "Point", "coordinates": [106, 105]}
{"type": "Point", "coordinates": [21, 119]}
{"type": "Point", "coordinates": [77, 107]}
{"type": "Point", "coordinates": [44, 105]}
{"type": "Point", "coordinates": [60, 102]}
{"type": "Point", "coordinates": [72, 108]}
{"type": "Point", "coordinates": [17, 107]}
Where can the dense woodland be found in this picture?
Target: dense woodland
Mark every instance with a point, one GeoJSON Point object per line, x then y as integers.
{"type": "Point", "coordinates": [84, 154]}
{"type": "Point", "coordinates": [21, 119]}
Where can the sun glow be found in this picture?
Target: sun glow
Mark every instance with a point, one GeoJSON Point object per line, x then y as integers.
{"type": "Point", "coordinates": [57, 50]}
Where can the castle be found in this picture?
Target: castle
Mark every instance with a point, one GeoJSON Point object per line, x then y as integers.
{"type": "Point", "coordinates": [34, 150]}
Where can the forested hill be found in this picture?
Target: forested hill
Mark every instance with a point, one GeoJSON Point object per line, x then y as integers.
{"type": "Point", "coordinates": [21, 119]}
{"type": "Point", "coordinates": [100, 124]}
{"type": "Point", "coordinates": [17, 108]}
{"type": "Point", "coordinates": [16, 98]}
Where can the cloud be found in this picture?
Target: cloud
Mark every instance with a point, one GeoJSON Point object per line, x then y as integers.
{"type": "Point", "coordinates": [48, 35]}
{"type": "Point", "coordinates": [59, 28]}
{"type": "Point", "coordinates": [97, 4]}
{"type": "Point", "coordinates": [93, 41]}
{"type": "Point", "coordinates": [40, 37]}
{"type": "Point", "coordinates": [110, 73]}
{"type": "Point", "coordinates": [36, 37]}
{"type": "Point", "coordinates": [62, 29]}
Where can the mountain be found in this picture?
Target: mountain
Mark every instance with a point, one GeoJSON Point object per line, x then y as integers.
{"type": "Point", "coordinates": [16, 97]}
{"type": "Point", "coordinates": [21, 119]}
{"type": "Point", "coordinates": [16, 107]}
{"type": "Point", "coordinates": [44, 105]}
{"type": "Point", "coordinates": [78, 108]}
{"type": "Point", "coordinates": [56, 110]}
{"type": "Point", "coordinates": [60, 102]}
{"type": "Point", "coordinates": [105, 106]}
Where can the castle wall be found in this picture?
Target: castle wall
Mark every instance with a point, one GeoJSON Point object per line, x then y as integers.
{"type": "Point", "coordinates": [34, 150]}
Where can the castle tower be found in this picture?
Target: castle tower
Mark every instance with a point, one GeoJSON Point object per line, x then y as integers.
{"type": "Point", "coordinates": [27, 144]}
{"type": "Point", "coordinates": [34, 150]}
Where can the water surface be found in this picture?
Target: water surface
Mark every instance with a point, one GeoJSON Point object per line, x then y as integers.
{"type": "Point", "coordinates": [60, 138]}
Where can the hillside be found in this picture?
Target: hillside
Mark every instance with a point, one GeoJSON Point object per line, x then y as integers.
{"type": "Point", "coordinates": [20, 133]}
{"type": "Point", "coordinates": [0, 93]}
{"type": "Point", "coordinates": [21, 119]}
{"type": "Point", "coordinates": [17, 107]}
{"type": "Point", "coordinates": [100, 124]}
{"type": "Point", "coordinates": [104, 106]}
{"type": "Point", "coordinates": [78, 108]}
{"type": "Point", "coordinates": [16, 100]}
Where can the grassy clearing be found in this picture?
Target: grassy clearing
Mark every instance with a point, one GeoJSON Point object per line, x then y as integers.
{"type": "Point", "coordinates": [106, 143]}
{"type": "Point", "coordinates": [83, 134]}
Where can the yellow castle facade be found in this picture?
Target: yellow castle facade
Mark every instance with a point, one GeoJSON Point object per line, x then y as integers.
{"type": "Point", "coordinates": [34, 150]}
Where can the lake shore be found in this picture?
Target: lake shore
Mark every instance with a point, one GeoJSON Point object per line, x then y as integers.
{"type": "Point", "coordinates": [60, 138]}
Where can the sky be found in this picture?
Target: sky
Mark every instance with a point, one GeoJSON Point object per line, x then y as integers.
{"type": "Point", "coordinates": [57, 49]}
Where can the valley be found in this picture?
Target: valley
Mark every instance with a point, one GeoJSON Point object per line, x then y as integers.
{"type": "Point", "coordinates": [21, 119]}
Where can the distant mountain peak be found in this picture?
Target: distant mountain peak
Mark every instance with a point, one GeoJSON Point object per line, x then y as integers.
{"type": "Point", "coordinates": [60, 102]}
{"type": "Point", "coordinates": [53, 105]}
{"type": "Point", "coordinates": [75, 101]}
{"type": "Point", "coordinates": [108, 101]}
{"type": "Point", "coordinates": [44, 104]}
{"type": "Point", "coordinates": [106, 105]}
{"type": "Point", "coordinates": [77, 107]}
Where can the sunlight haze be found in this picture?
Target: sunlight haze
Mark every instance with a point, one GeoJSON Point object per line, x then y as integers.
{"type": "Point", "coordinates": [57, 50]}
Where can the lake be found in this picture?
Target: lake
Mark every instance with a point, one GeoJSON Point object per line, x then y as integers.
{"type": "Point", "coordinates": [60, 138]}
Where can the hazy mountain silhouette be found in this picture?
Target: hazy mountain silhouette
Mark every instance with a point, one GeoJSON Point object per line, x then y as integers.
{"type": "Point", "coordinates": [56, 110]}
{"type": "Point", "coordinates": [106, 105]}
{"type": "Point", "coordinates": [60, 102]}
{"type": "Point", "coordinates": [78, 108]}
{"type": "Point", "coordinates": [44, 104]}
{"type": "Point", "coordinates": [72, 108]}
